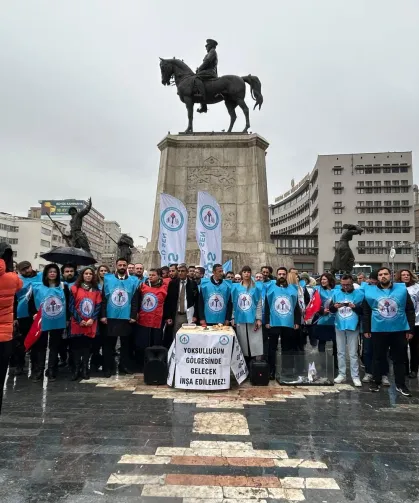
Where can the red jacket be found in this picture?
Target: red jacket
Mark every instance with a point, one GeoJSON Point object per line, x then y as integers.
{"type": "Point", "coordinates": [84, 305]}
{"type": "Point", "coordinates": [152, 302]}
{"type": "Point", "coordinates": [10, 283]}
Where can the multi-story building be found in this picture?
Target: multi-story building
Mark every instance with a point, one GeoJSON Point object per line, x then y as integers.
{"type": "Point", "coordinates": [29, 237]}
{"type": "Point", "coordinates": [112, 234]}
{"type": "Point", "coordinates": [373, 190]}
{"type": "Point", "coordinates": [93, 222]}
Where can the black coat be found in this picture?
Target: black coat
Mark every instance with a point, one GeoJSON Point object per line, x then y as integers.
{"type": "Point", "coordinates": [172, 299]}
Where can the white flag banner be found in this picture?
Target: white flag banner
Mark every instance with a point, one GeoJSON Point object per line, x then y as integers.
{"type": "Point", "coordinates": [208, 231]}
{"type": "Point", "coordinates": [173, 230]}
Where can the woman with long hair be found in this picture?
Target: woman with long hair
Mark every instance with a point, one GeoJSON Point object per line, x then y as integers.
{"type": "Point", "coordinates": [84, 305]}
{"type": "Point", "coordinates": [51, 296]}
{"type": "Point", "coordinates": [101, 271]}
{"type": "Point", "coordinates": [325, 326]}
{"type": "Point", "coordinates": [407, 277]}
{"type": "Point", "coordinates": [97, 343]}
{"type": "Point", "coordinates": [247, 315]}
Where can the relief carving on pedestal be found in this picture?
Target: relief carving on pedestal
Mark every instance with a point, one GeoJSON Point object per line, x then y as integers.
{"type": "Point", "coordinates": [211, 176]}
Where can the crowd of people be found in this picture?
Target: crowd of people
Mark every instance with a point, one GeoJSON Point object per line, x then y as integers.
{"type": "Point", "coordinates": [82, 314]}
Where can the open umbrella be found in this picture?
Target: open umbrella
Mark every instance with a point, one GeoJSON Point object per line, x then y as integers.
{"type": "Point", "coordinates": [69, 254]}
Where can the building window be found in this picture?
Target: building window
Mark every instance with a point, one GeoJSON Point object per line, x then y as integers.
{"type": "Point", "coordinates": [368, 171]}
{"type": "Point", "coordinates": [360, 203]}
{"type": "Point", "coordinates": [361, 211]}
{"type": "Point", "coordinates": [405, 203]}
{"type": "Point", "coordinates": [386, 170]}
{"type": "Point", "coordinates": [368, 183]}
{"type": "Point", "coordinates": [395, 182]}
{"type": "Point", "coordinates": [387, 190]}
{"type": "Point", "coordinates": [369, 203]}
{"type": "Point", "coordinates": [395, 190]}
{"type": "Point", "coordinates": [404, 189]}
{"type": "Point", "coordinates": [337, 184]}
{"type": "Point", "coordinates": [403, 169]}
{"type": "Point", "coordinates": [406, 222]}
{"type": "Point", "coordinates": [337, 191]}
{"type": "Point", "coordinates": [45, 231]}
{"type": "Point", "coordinates": [45, 243]}
{"type": "Point", "coordinates": [387, 183]}
{"type": "Point", "coordinates": [359, 171]}
{"type": "Point", "coordinates": [394, 170]}
{"type": "Point", "coordinates": [337, 171]}
{"type": "Point", "coordinates": [376, 170]}
{"type": "Point", "coordinates": [337, 204]}
{"type": "Point", "coordinates": [361, 223]}
{"type": "Point", "coordinates": [378, 210]}
{"type": "Point", "coordinates": [359, 191]}
{"type": "Point", "coordinates": [360, 184]}
{"type": "Point", "coordinates": [338, 211]}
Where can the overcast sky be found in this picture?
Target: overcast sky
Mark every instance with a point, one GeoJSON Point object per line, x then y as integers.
{"type": "Point", "coordinates": [82, 107]}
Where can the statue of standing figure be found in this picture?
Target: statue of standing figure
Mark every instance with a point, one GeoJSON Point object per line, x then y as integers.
{"type": "Point", "coordinates": [344, 258]}
{"type": "Point", "coordinates": [78, 237]}
{"type": "Point", "coordinates": [125, 245]}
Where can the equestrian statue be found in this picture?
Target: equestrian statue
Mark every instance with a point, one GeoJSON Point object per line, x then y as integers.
{"type": "Point", "coordinates": [206, 88]}
{"type": "Point", "coordinates": [344, 258]}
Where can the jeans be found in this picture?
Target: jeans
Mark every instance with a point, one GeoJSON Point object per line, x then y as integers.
{"type": "Point", "coordinates": [396, 342]}
{"type": "Point", "coordinates": [347, 338]}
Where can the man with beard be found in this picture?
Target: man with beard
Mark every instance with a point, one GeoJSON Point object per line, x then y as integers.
{"type": "Point", "coordinates": [214, 301]}
{"type": "Point", "coordinates": [389, 320]}
{"type": "Point", "coordinates": [199, 274]}
{"type": "Point", "coordinates": [24, 320]}
{"type": "Point", "coordinates": [191, 272]}
{"type": "Point", "coordinates": [282, 316]}
{"type": "Point", "coordinates": [139, 272]}
{"type": "Point", "coordinates": [119, 312]}
{"type": "Point", "coordinates": [173, 271]}
{"type": "Point", "coordinates": [69, 276]}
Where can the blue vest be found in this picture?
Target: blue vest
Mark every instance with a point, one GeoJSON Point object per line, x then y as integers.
{"type": "Point", "coordinates": [326, 297]}
{"type": "Point", "coordinates": [245, 303]}
{"type": "Point", "coordinates": [52, 300]}
{"type": "Point", "coordinates": [24, 294]}
{"type": "Point", "coordinates": [388, 308]}
{"type": "Point", "coordinates": [282, 303]}
{"type": "Point", "coordinates": [118, 294]}
{"type": "Point", "coordinates": [264, 285]}
{"type": "Point", "coordinates": [215, 301]}
{"type": "Point", "coordinates": [346, 318]}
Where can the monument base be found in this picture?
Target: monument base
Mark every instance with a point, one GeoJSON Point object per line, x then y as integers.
{"type": "Point", "coordinates": [254, 260]}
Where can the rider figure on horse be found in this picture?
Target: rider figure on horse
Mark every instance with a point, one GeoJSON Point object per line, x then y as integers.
{"type": "Point", "coordinates": [208, 70]}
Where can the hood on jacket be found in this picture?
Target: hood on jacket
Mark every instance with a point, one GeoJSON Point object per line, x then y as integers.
{"type": "Point", "coordinates": [6, 253]}
{"type": "Point", "coordinates": [45, 274]}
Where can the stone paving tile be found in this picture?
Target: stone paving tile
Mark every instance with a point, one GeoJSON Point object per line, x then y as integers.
{"type": "Point", "coordinates": [222, 480]}
{"type": "Point", "coordinates": [224, 423]}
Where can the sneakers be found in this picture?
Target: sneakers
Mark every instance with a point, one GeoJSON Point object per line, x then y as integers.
{"type": "Point", "coordinates": [367, 378]}
{"type": "Point", "coordinates": [403, 390]}
{"type": "Point", "coordinates": [374, 387]}
{"type": "Point", "coordinates": [413, 375]}
{"type": "Point", "coordinates": [357, 382]}
{"type": "Point", "coordinates": [340, 379]}
{"type": "Point", "coordinates": [385, 381]}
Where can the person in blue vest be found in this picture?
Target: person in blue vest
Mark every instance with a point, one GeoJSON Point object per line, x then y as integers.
{"type": "Point", "coordinates": [347, 305]}
{"type": "Point", "coordinates": [282, 316]}
{"type": "Point", "coordinates": [52, 297]}
{"type": "Point", "coordinates": [389, 319]}
{"type": "Point", "coordinates": [247, 315]}
{"type": "Point", "coordinates": [214, 302]}
{"type": "Point", "coordinates": [24, 320]}
{"type": "Point", "coordinates": [119, 314]}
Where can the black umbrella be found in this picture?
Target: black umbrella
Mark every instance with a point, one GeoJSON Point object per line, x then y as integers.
{"type": "Point", "coordinates": [69, 254]}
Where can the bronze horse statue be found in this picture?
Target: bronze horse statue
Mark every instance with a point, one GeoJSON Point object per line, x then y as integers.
{"type": "Point", "coordinates": [229, 88]}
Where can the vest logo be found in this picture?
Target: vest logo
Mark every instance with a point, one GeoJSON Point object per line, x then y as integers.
{"type": "Point", "coordinates": [119, 297]}
{"type": "Point", "coordinates": [216, 302]}
{"type": "Point", "coordinates": [149, 302]}
{"type": "Point", "coordinates": [172, 219]}
{"type": "Point", "coordinates": [387, 308]}
{"type": "Point", "coordinates": [224, 339]}
{"type": "Point", "coordinates": [86, 307]}
{"type": "Point", "coordinates": [184, 339]}
{"type": "Point", "coordinates": [345, 312]}
{"type": "Point", "coordinates": [282, 306]}
{"type": "Point", "coordinates": [209, 217]}
{"type": "Point", "coordinates": [53, 307]}
{"type": "Point", "coordinates": [245, 301]}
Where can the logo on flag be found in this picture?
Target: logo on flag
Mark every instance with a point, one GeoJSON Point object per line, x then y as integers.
{"type": "Point", "coordinates": [149, 302]}
{"type": "Point", "coordinates": [172, 219]}
{"type": "Point", "coordinates": [209, 217]}
{"type": "Point", "coordinates": [119, 297]}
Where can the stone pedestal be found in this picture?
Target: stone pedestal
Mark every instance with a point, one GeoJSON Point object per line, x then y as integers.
{"type": "Point", "coordinates": [231, 167]}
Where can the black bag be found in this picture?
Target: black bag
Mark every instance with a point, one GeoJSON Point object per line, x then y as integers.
{"type": "Point", "coordinates": [259, 373]}
{"type": "Point", "coordinates": [155, 365]}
